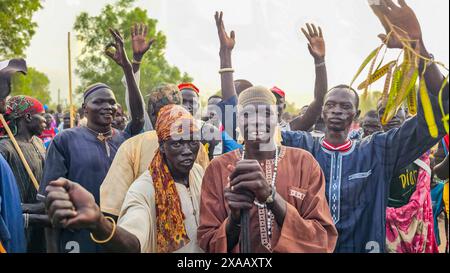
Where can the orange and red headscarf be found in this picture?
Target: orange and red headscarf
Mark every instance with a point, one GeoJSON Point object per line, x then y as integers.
{"type": "Point", "coordinates": [171, 231]}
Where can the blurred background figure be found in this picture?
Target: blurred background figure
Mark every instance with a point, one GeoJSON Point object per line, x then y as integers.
{"type": "Point", "coordinates": [50, 130]}
{"type": "Point", "coordinates": [120, 121]}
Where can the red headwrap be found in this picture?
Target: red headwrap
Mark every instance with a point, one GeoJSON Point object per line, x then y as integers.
{"type": "Point", "coordinates": [189, 86]}
{"type": "Point", "coordinates": [278, 91]}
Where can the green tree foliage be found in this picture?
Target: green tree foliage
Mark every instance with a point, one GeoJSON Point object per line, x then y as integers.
{"type": "Point", "coordinates": [34, 84]}
{"type": "Point", "coordinates": [93, 66]}
{"type": "Point", "coordinates": [16, 26]}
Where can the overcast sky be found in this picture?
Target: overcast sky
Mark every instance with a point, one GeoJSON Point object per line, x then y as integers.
{"type": "Point", "coordinates": [270, 50]}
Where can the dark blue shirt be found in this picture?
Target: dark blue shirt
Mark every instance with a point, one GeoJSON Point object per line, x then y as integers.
{"type": "Point", "coordinates": [357, 181]}
{"type": "Point", "coordinates": [228, 112]}
{"type": "Point", "coordinates": [77, 154]}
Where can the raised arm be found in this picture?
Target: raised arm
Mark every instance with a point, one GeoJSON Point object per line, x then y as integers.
{"type": "Point", "coordinates": [136, 100]}
{"type": "Point", "coordinates": [227, 43]}
{"type": "Point", "coordinates": [410, 141]}
{"type": "Point", "coordinates": [407, 27]}
{"type": "Point", "coordinates": [316, 46]}
{"type": "Point", "coordinates": [140, 44]}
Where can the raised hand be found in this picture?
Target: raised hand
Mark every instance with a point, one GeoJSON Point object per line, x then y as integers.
{"type": "Point", "coordinates": [403, 19]}
{"type": "Point", "coordinates": [70, 205]}
{"type": "Point", "coordinates": [316, 43]}
{"type": "Point", "coordinates": [139, 41]}
{"type": "Point", "coordinates": [119, 55]}
{"type": "Point", "coordinates": [227, 42]}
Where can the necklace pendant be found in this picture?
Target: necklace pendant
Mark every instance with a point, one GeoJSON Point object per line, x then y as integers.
{"type": "Point", "coordinates": [101, 137]}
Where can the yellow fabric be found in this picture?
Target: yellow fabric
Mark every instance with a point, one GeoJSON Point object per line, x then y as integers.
{"type": "Point", "coordinates": [132, 159]}
{"type": "Point", "coordinates": [2, 249]}
{"type": "Point", "coordinates": [446, 197]}
{"type": "Point", "coordinates": [202, 157]}
{"type": "Point", "coordinates": [138, 213]}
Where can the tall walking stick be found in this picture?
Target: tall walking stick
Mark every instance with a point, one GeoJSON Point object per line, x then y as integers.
{"type": "Point", "coordinates": [245, 232]}
{"type": "Point", "coordinates": [19, 152]}
{"type": "Point", "coordinates": [72, 114]}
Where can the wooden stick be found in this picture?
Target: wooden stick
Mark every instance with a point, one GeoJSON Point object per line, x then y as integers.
{"type": "Point", "coordinates": [70, 82]}
{"type": "Point", "coordinates": [19, 151]}
{"type": "Point", "coordinates": [245, 232]}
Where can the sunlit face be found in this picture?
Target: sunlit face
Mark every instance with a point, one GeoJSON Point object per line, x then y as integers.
{"type": "Point", "coordinates": [180, 155]}
{"type": "Point", "coordinates": [339, 110]}
{"type": "Point", "coordinates": [101, 107]}
{"type": "Point", "coordinates": [36, 123]}
{"type": "Point", "coordinates": [257, 122]}
{"type": "Point", "coordinates": [190, 101]}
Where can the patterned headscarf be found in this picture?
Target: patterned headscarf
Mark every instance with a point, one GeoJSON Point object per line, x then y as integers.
{"type": "Point", "coordinates": [19, 106]}
{"type": "Point", "coordinates": [171, 231]}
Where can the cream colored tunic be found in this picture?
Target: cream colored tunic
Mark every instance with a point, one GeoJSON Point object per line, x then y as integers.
{"type": "Point", "coordinates": [138, 213]}
{"type": "Point", "coordinates": [132, 159]}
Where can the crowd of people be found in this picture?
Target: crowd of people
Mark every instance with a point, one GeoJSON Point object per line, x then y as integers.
{"type": "Point", "coordinates": [245, 177]}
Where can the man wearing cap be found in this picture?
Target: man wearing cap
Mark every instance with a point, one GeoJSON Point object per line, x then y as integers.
{"type": "Point", "coordinates": [283, 189]}
{"type": "Point", "coordinates": [84, 154]}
